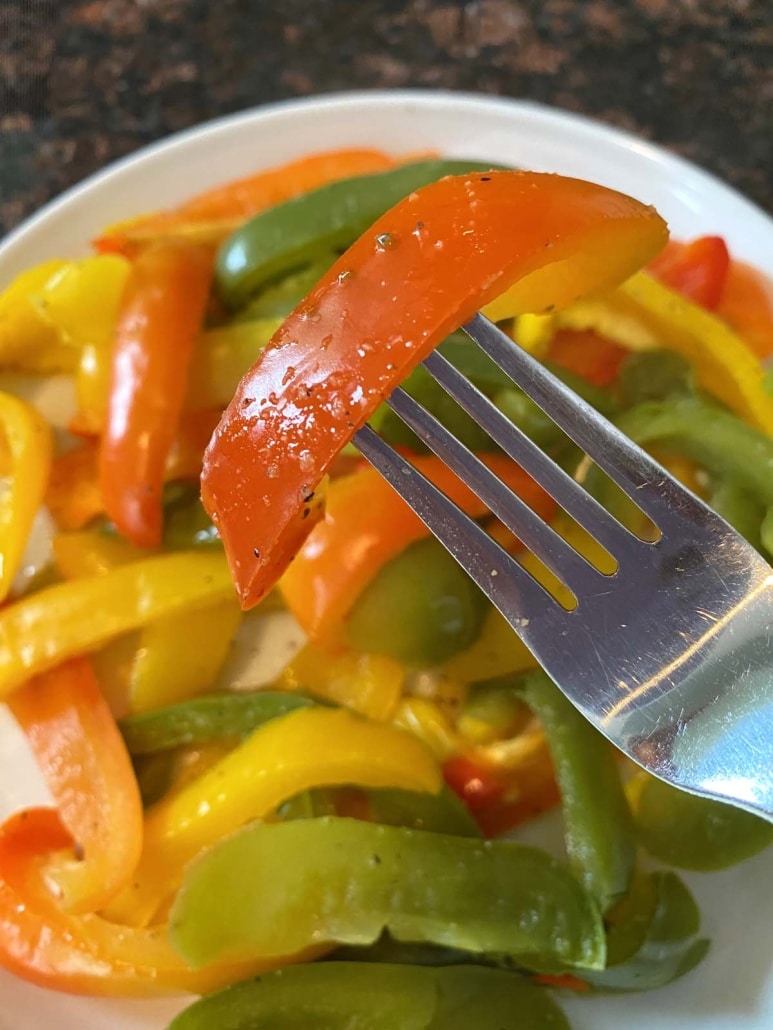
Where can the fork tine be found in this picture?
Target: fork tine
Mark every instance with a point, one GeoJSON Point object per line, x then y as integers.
{"type": "Point", "coordinates": [638, 475]}
{"type": "Point", "coordinates": [509, 586]}
{"type": "Point", "coordinates": [559, 484]}
{"type": "Point", "coordinates": [569, 566]}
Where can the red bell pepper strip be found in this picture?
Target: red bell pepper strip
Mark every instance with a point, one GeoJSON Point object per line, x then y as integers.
{"type": "Point", "coordinates": [698, 270]}
{"type": "Point", "coordinates": [85, 763]}
{"type": "Point", "coordinates": [366, 524]}
{"type": "Point", "coordinates": [587, 354]}
{"type": "Point", "coordinates": [86, 954]}
{"type": "Point", "coordinates": [421, 270]}
{"type": "Point", "coordinates": [161, 315]}
{"type": "Point", "coordinates": [747, 306]}
{"type": "Point", "coordinates": [212, 214]}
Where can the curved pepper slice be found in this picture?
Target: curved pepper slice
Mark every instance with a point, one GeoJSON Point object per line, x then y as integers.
{"type": "Point", "coordinates": [26, 438]}
{"type": "Point", "coordinates": [68, 619]}
{"type": "Point", "coordinates": [747, 305]}
{"type": "Point", "coordinates": [88, 770]}
{"type": "Point", "coordinates": [381, 996]}
{"type": "Point", "coordinates": [257, 894]}
{"type": "Point", "coordinates": [698, 269]}
{"type": "Point", "coordinates": [643, 314]}
{"type": "Point", "coordinates": [366, 524]}
{"type": "Point", "coordinates": [310, 747]}
{"type": "Point", "coordinates": [160, 318]}
{"type": "Point", "coordinates": [86, 954]}
{"type": "Point", "coordinates": [414, 276]}
{"type": "Point", "coordinates": [211, 215]}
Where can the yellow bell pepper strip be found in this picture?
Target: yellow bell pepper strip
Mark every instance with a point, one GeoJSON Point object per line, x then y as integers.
{"type": "Point", "coordinates": [27, 340]}
{"type": "Point", "coordinates": [642, 314]}
{"type": "Point", "coordinates": [82, 303]}
{"type": "Point", "coordinates": [27, 440]}
{"type": "Point", "coordinates": [370, 684]}
{"type": "Point", "coordinates": [67, 619]}
{"type": "Point", "coordinates": [366, 524]}
{"type": "Point", "coordinates": [422, 269]}
{"type": "Point", "coordinates": [89, 773]}
{"type": "Point", "coordinates": [87, 954]}
{"type": "Point", "coordinates": [210, 216]}
{"type": "Point", "coordinates": [161, 314]}
{"type": "Point", "coordinates": [92, 553]}
{"type": "Point", "coordinates": [180, 655]}
{"type": "Point", "coordinates": [310, 747]}
{"type": "Point", "coordinates": [746, 305]}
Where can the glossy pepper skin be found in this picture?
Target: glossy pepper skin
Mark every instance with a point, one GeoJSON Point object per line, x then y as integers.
{"type": "Point", "coordinates": [327, 219]}
{"type": "Point", "coordinates": [443, 251]}
{"type": "Point", "coordinates": [378, 996]}
{"type": "Point", "coordinates": [161, 314]}
{"type": "Point", "coordinates": [85, 954]}
{"type": "Point", "coordinates": [257, 894]}
{"type": "Point", "coordinates": [28, 444]}
{"type": "Point", "coordinates": [88, 771]}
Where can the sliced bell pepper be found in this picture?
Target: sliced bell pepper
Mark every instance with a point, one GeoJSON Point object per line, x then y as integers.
{"type": "Point", "coordinates": [370, 684]}
{"type": "Point", "coordinates": [180, 655]}
{"type": "Point", "coordinates": [210, 216]}
{"type": "Point", "coordinates": [27, 340]}
{"type": "Point", "coordinates": [587, 354]}
{"type": "Point", "coordinates": [366, 524]}
{"type": "Point", "coordinates": [442, 252]}
{"type": "Point", "coordinates": [747, 306]}
{"type": "Point", "coordinates": [89, 773]}
{"type": "Point", "coordinates": [91, 553]}
{"type": "Point", "coordinates": [380, 996]}
{"type": "Point", "coordinates": [419, 609]}
{"type": "Point", "coordinates": [67, 619]}
{"type": "Point", "coordinates": [327, 219]}
{"type": "Point", "coordinates": [26, 440]}
{"type": "Point", "coordinates": [643, 314]}
{"type": "Point", "coordinates": [73, 496]}
{"type": "Point", "coordinates": [86, 954]}
{"type": "Point", "coordinates": [204, 719]}
{"type": "Point", "coordinates": [598, 826]}
{"type": "Point", "coordinates": [256, 894]}
{"type": "Point", "coordinates": [311, 747]}
{"type": "Point", "coordinates": [698, 269]}
{"type": "Point", "coordinates": [160, 318]}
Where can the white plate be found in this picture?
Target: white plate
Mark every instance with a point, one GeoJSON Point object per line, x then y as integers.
{"type": "Point", "coordinates": [733, 988]}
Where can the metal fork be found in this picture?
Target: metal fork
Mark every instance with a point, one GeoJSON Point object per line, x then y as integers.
{"type": "Point", "coordinates": [671, 656]}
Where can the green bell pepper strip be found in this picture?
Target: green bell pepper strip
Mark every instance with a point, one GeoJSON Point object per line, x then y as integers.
{"type": "Point", "coordinates": [358, 996]}
{"type": "Point", "coordinates": [665, 922]}
{"type": "Point", "coordinates": [741, 509]}
{"type": "Point", "coordinates": [186, 524]}
{"type": "Point", "coordinates": [653, 375]}
{"type": "Point", "coordinates": [221, 358]}
{"type": "Point", "coordinates": [271, 889]}
{"type": "Point", "coordinates": [435, 813]}
{"type": "Point", "coordinates": [420, 608]}
{"type": "Point", "coordinates": [297, 231]}
{"type": "Point", "coordinates": [204, 719]}
{"type": "Point", "coordinates": [766, 530]}
{"type": "Point", "coordinates": [597, 820]}
{"type": "Point", "coordinates": [695, 833]}
{"type": "Point", "coordinates": [724, 445]}
{"type": "Point", "coordinates": [279, 299]}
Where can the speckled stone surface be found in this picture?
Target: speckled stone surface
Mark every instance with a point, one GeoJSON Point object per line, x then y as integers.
{"type": "Point", "coordinates": [83, 82]}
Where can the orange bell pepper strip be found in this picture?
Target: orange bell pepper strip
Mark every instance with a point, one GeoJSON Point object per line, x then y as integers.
{"type": "Point", "coordinates": [420, 271]}
{"type": "Point", "coordinates": [366, 524]}
{"type": "Point", "coordinates": [85, 763]}
{"type": "Point", "coordinates": [211, 215]}
{"type": "Point", "coordinates": [86, 954]}
{"type": "Point", "coordinates": [747, 306]}
{"type": "Point", "coordinates": [160, 318]}
{"type": "Point", "coordinates": [698, 269]}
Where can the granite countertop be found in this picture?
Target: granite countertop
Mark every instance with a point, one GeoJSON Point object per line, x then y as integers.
{"type": "Point", "coordinates": [83, 82]}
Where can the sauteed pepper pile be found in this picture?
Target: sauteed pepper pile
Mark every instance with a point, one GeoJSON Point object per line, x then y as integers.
{"type": "Point", "coordinates": [304, 803]}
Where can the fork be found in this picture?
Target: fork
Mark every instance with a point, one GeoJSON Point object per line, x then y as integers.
{"type": "Point", "coordinates": [671, 655]}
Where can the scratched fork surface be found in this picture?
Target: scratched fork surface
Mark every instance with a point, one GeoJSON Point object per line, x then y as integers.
{"type": "Point", "coordinates": [671, 657]}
